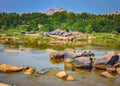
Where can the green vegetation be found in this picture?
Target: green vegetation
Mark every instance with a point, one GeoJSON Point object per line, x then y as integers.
{"type": "Point", "coordinates": [83, 22]}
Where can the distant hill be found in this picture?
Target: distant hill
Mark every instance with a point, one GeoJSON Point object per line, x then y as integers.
{"type": "Point", "coordinates": [53, 10]}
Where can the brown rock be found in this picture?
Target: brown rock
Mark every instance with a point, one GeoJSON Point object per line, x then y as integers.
{"type": "Point", "coordinates": [62, 74]}
{"type": "Point", "coordinates": [100, 66]}
{"type": "Point", "coordinates": [118, 70]}
{"type": "Point", "coordinates": [25, 67]}
{"type": "Point", "coordinates": [117, 64]}
{"type": "Point", "coordinates": [40, 73]}
{"type": "Point", "coordinates": [107, 74]}
{"type": "Point", "coordinates": [9, 68]}
{"type": "Point", "coordinates": [70, 78]}
{"type": "Point", "coordinates": [3, 84]}
{"type": "Point", "coordinates": [29, 71]}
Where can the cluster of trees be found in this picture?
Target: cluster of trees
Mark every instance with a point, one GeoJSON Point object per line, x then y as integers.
{"type": "Point", "coordinates": [83, 22]}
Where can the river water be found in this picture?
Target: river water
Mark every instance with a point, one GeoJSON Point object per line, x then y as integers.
{"type": "Point", "coordinates": [39, 59]}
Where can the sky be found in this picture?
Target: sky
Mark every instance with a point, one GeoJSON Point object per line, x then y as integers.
{"type": "Point", "coordinates": [77, 6]}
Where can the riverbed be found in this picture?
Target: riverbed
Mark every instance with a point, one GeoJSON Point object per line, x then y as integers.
{"type": "Point", "coordinates": [38, 58]}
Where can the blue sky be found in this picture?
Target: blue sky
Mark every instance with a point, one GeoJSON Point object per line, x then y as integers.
{"type": "Point", "coordinates": [91, 6]}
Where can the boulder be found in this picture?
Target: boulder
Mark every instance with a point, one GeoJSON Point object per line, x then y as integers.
{"type": "Point", "coordinates": [100, 66]}
{"type": "Point", "coordinates": [87, 53]}
{"type": "Point", "coordinates": [110, 69]}
{"type": "Point", "coordinates": [70, 78]}
{"type": "Point", "coordinates": [3, 84]}
{"type": "Point", "coordinates": [83, 62]}
{"type": "Point", "coordinates": [40, 73]}
{"type": "Point", "coordinates": [69, 56]}
{"type": "Point", "coordinates": [101, 60]}
{"type": "Point", "coordinates": [45, 34]}
{"type": "Point", "coordinates": [61, 74]}
{"type": "Point", "coordinates": [57, 55]}
{"type": "Point", "coordinates": [117, 64]}
{"type": "Point", "coordinates": [58, 32]}
{"type": "Point", "coordinates": [9, 68]}
{"type": "Point", "coordinates": [107, 74]}
{"type": "Point", "coordinates": [118, 70]}
{"type": "Point", "coordinates": [66, 34]}
{"type": "Point", "coordinates": [25, 67]}
{"type": "Point", "coordinates": [104, 59]}
{"type": "Point", "coordinates": [29, 71]}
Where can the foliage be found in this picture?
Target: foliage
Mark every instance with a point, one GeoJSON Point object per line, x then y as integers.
{"type": "Point", "coordinates": [83, 22]}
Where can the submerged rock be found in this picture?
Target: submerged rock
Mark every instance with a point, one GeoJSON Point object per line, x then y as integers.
{"type": "Point", "coordinates": [62, 74]}
{"type": "Point", "coordinates": [25, 67]}
{"type": "Point", "coordinates": [107, 74]}
{"type": "Point", "coordinates": [29, 71]}
{"type": "Point", "coordinates": [40, 73]}
{"type": "Point", "coordinates": [9, 68]}
{"type": "Point", "coordinates": [70, 78]}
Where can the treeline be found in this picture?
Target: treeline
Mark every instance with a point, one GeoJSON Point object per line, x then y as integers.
{"type": "Point", "coordinates": [83, 22]}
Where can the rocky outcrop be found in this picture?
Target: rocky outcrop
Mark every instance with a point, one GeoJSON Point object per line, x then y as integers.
{"type": "Point", "coordinates": [9, 68]}
{"type": "Point", "coordinates": [29, 71]}
{"type": "Point", "coordinates": [53, 10]}
{"type": "Point", "coordinates": [107, 74]}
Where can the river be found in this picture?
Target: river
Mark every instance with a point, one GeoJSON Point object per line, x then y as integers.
{"type": "Point", "coordinates": [39, 59]}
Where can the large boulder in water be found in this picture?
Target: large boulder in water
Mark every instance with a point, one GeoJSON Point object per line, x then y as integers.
{"type": "Point", "coordinates": [57, 55]}
{"type": "Point", "coordinates": [9, 68]}
{"type": "Point", "coordinates": [101, 62]}
{"type": "Point", "coordinates": [83, 62]}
